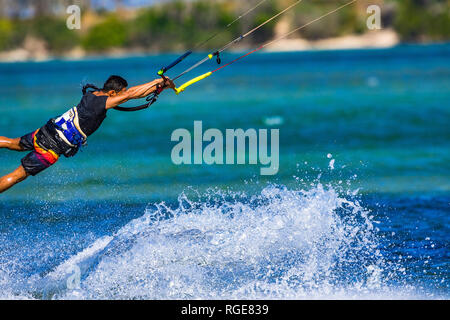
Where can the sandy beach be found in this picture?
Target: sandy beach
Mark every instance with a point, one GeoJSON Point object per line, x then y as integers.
{"type": "Point", "coordinates": [373, 39]}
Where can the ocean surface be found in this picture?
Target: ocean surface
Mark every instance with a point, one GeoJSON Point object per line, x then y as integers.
{"type": "Point", "coordinates": [358, 210]}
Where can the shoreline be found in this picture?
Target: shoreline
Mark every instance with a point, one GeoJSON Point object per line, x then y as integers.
{"type": "Point", "coordinates": [383, 39]}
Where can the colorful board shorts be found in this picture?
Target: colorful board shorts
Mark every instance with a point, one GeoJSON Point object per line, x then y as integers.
{"type": "Point", "coordinates": [39, 158]}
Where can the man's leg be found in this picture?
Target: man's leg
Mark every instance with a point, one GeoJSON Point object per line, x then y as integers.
{"type": "Point", "coordinates": [11, 179]}
{"type": "Point", "coordinates": [11, 144]}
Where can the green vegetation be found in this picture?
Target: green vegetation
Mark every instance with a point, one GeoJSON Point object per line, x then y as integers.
{"type": "Point", "coordinates": [111, 33]}
{"type": "Point", "coordinates": [419, 19]}
{"type": "Point", "coordinates": [6, 31]}
{"type": "Point", "coordinates": [346, 21]}
{"type": "Point", "coordinates": [54, 32]}
{"type": "Point", "coordinates": [179, 24]}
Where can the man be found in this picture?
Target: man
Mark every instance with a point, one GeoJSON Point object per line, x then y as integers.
{"type": "Point", "coordinates": [66, 134]}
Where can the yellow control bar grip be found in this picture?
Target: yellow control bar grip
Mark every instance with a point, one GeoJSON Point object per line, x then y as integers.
{"type": "Point", "coordinates": [191, 82]}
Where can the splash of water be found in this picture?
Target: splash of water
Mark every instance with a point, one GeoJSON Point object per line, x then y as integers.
{"type": "Point", "coordinates": [280, 244]}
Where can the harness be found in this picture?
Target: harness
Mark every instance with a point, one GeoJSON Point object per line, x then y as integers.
{"type": "Point", "coordinates": [69, 129]}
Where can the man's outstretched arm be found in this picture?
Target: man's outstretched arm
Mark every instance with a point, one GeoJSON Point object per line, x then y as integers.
{"type": "Point", "coordinates": [137, 92]}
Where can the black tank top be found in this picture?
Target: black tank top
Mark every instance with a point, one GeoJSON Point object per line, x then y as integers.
{"type": "Point", "coordinates": [91, 112]}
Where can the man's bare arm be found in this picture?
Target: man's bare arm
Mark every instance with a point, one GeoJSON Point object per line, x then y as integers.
{"type": "Point", "coordinates": [137, 92]}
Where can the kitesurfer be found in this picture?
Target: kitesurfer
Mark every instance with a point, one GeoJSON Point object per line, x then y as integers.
{"type": "Point", "coordinates": [66, 134]}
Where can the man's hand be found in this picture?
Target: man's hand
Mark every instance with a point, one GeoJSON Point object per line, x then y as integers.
{"type": "Point", "coordinates": [168, 83]}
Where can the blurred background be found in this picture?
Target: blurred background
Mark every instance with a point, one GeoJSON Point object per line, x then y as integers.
{"type": "Point", "coordinates": [358, 209]}
{"type": "Point", "coordinates": [120, 26]}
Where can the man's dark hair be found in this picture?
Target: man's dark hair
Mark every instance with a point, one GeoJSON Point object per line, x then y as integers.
{"type": "Point", "coordinates": [115, 83]}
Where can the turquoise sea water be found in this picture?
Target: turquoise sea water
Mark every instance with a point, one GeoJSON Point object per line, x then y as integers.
{"type": "Point", "coordinates": [359, 208]}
